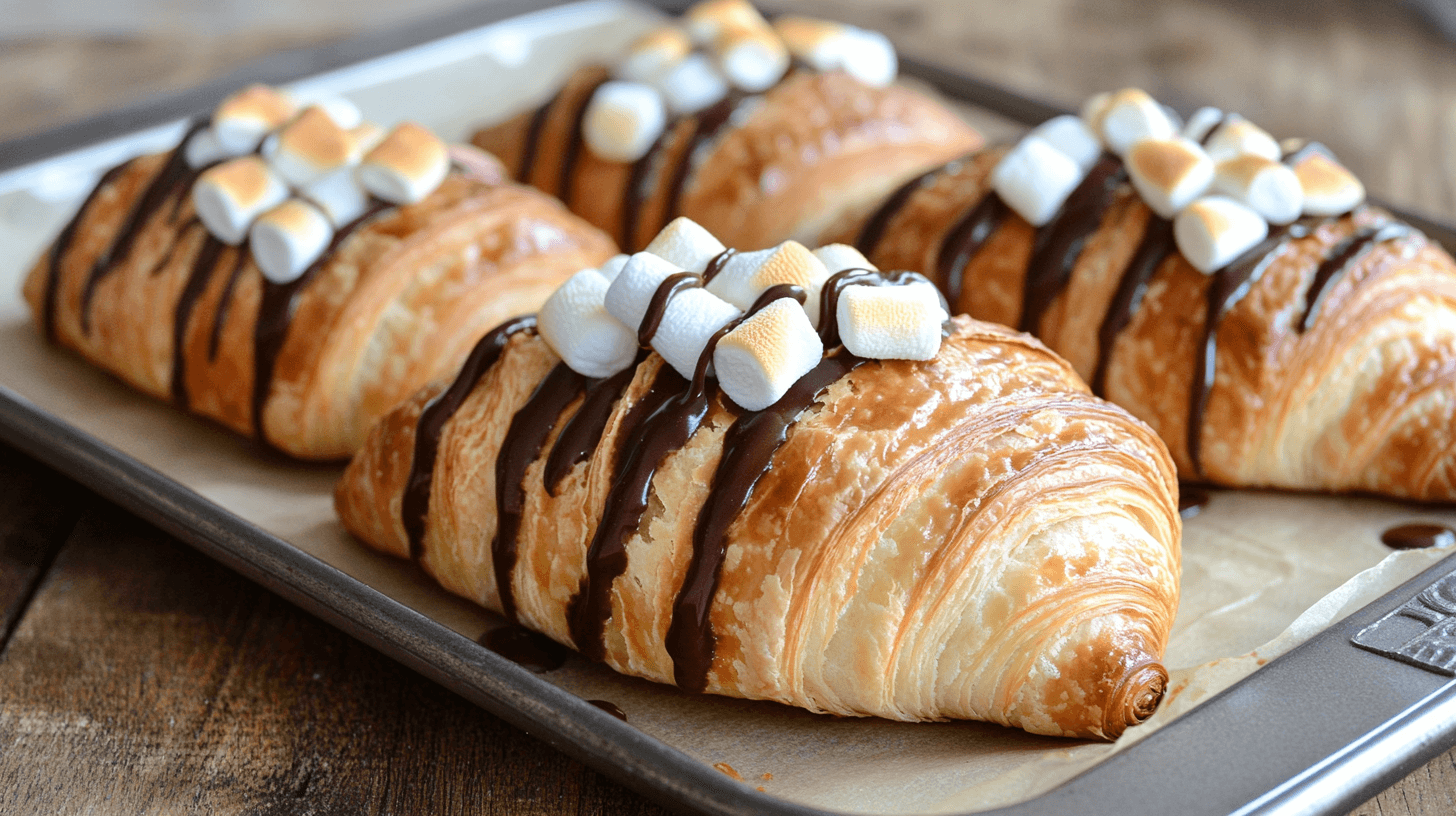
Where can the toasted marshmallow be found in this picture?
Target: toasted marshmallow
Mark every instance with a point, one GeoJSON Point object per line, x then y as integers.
{"type": "Point", "coordinates": [891, 322]}
{"type": "Point", "coordinates": [747, 275]}
{"type": "Point", "coordinates": [338, 195]}
{"type": "Point", "coordinates": [1214, 230]}
{"type": "Point", "coordinates": [311, 146]}
{"type": "Point", "coordinates": [690, 320]}
{"type": "Point", "coordinates": [367, 136]}
{"type": "Point", "coordinates": [1035, 179]}
{"type": "Point", "coordinates": [1132, 116]}
{"type": "Point", "coordinates": [1169, 173]}
{"type": "Point", "coordinates": [753, 59]}
{"type": "Point", "coordinates": [203, 149]}
{"type": "Point", "coordinates": [613, 267]}
{"type": "Point", "coordinates": [407, 166]}
{"type": "Point", "coordinates": [706, 21]}
{"type": "Point", "coordinates": [1201, 123]}
{"type": "Point", "coordinates": [653, 54]}
{"type": "Point", "coordinates": [1329, 189]}
{"type": "Point", "coordinates": [839, 257]}
{"type": "Point", "coordinates": [762, 358]}
{"type": "Point", "coordinates": [243, 119]}
{"type": "Point", "coordinates": [1238, 136]}
{"type": "Point", "coordinates": [635, 284]}
{"type": "Point", "coordinates": [344, 113]}
{"type": "Point", "coordinates": [686, 244]}
{"type": "Point", "coordinates": [622, 120]}
{"type": "Point", "coordinates": [576, 325]}
{"type": "Point", "coordinates": [868, 56]}
{"type": "Point", "coordinates": [1071, 135]}
{"type": "Point", "coordinates": [287, 238]}
{"type": "Point", "coordinates": [691, 85]}
{"type": "Point", "coordinates": [1094, 109]}
{"type": "Point", "coordinates": [229, 196]}
{"type": "Point", "coordinates": [1267, 187]}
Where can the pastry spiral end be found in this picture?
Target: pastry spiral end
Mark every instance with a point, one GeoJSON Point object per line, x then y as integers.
{"type": "Point", "coordinates": [1135, 699]}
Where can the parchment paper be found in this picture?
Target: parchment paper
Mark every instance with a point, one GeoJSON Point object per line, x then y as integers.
{"type": "Point", "coordinates": [1261, 571]}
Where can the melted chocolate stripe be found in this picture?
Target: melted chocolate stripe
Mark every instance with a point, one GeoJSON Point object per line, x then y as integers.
{"type": "Point", "coordinates": [224, 301]}
{"type": "Point", "coordinates": [533, 139]}
{"type": "Point", "coordinates": [1060, 242]}
{"type": "Point", "coordinates": [197, 279]}
{"type": "Point", "coordinates": [637, 190]}
{"type": "Point", "coordinates": [583, 432]}
{"type": "Point", "coordinates": [873, 230]}
{"type": "Point", "coordinates": [415, 504]}
{"type": "Point", "coordinates": [1344, 257]}
{"type": "Point", "coordinates": [1156, 244]}
{"type": "Point", "coordinates": [710, 122]}
{"type": "Point", "coordinates": [716, 266]}
{"type": "Point", "coordinates": [521, 446]}
{"type": "Point", "coordinates": [964, 239]}
{"type": "Point", "coordinates": [657, 307]}
{"type": "Point", "coordinates": [572, 152]}
{"type": "Point", "coordinates": [63, 243]}
{"type": "Point", "coordinates": [836, 284]}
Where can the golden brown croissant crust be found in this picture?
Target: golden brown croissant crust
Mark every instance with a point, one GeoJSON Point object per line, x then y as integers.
{"type": "Point", "coordinates": [812, 148]}
{"type": "Point", "coordinates": [137, 285]}
{"type": "Point", "coordinates": [1322, 359]}
{"type": "Point", "coordinates": [971, 537]}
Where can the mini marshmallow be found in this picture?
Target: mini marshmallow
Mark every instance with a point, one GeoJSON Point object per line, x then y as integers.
{"type": "Point", "coordinates": [753, 59]}
{"type": "Point", "coordinates": [613, 266]}
{"type": "Point", "coordinates": [344, 113]}
{"type": "Point", "coordinates": [691, 85]}
{"type": "Point", "coordinates": [1093, 110]}
{"type": "Point", "coordinates": [339, 195]}
{"type": "Point", "coordinates": [690, 320]}
{"type": "Point", "coordinates": [229, 196]}
{"type": "Point", "coordinates": [1201, 123]}
{"type": "Point", "coordinates": [203, 149]}
{"type": "Point", "coordinates": [367, 136]}
{"type": "Point", "coordinates": [623, 120]}
{"type": "Point", "coordinates": [839, 257]}
{"type": "Point", "coordinates": [1071, 135]}
{"type": "Point", "coordinates": [762, 358]}
{"type": "Point", "coordinates": [576, 325]}
{"type": "Point", "coordinates": [1132, 116]}
{"type": "Point", "coordinates": [311, 146]}
{"type": "Point", "coordinates": [686, 244]}
{"type": "Point", "coordinates": [243, 119]}
{"type": "Point", "coordinates": [651, 55]}
{"type": "Point", "coordinates": [1329, 189]}
{"type": "Point", "coordinates": [868, 56]}
{"type": "Point", "coordinates": [635, 284]}
{"type": "Point", "coordinates": [891, 322]}
{"type": "Point", "coordinates": [708, 20]}
{"type": "Point", "coordinates": [407, 166]}
{"type": "Point", "coordinates": [1035, 179]}
{"type": "Point", "coordinates": [1214, 230]}
{"type": "Point", "coordinates": [288, 238]}
{"type": "Point", "coordinates": [747, 275]}
{"type": "Point", "coordinates": [1169, 173]}
{"type": "Point", "coordinates": [1238, 136]}
{"type": "Point", "coordinates": [1269, 188]}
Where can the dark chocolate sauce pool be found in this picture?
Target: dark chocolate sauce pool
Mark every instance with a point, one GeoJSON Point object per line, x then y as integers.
{"type": "Point", "coordinates": [1418, 536]}
{"type": "Point", "coordinates": [1191, 500]}
{"type": "Point", "coordinates": [610, 708]}
{"type": "Point", "coordinates": [530, 650]}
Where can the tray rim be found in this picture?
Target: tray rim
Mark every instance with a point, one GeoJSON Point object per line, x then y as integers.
{"type": "Point", "coordinates": [1364, 766]}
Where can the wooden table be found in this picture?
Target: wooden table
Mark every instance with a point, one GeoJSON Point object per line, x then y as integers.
{"type": "Point", "coordinates": [136, 676]}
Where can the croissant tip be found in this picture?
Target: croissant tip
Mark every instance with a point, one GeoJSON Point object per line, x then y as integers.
{"type": "Point", "coordinates": [1135, 698]}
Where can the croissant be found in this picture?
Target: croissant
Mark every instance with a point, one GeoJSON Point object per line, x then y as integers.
{"type": "Point", "coordinates": [139, 285]}
{"type": "Point", "coordinates": [755, 168]}
{"type": "Point", "coordinates": [967, 536]}
{"type": "Point", "coordinates": [1320, 356]}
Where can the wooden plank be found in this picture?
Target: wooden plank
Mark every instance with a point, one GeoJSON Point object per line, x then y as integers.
{"type": "Point", "coordinates": [38, 508]}
{"type": "Point", "coordinates": [146, 679]}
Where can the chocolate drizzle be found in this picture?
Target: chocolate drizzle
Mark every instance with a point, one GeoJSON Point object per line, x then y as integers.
{"type": "Point", "coordinates": [415, 504]}
{"type": "Point", "coordinates": [63, 243]}
{"type": "Point", "coordinates": [637, 190]}
{"type": "Point", "coordinates": [716, 266]}
{"type": "Point", "coordinates": [874, 229]}
{"type": "Point", "coordinates": [836, 284]}
{"type": "Point", "coordinates": [583, 432]}
{"type": "Point", "coordinates": [657, 307]}
{"type": "Point", "coordinates": [533, 138]}
{"type": "Point", "coordinates": [1156, 244]}
{"type": "Point", "coordinates": [964, 239]}
{"type": "Point", "coordinates": [1059, 243]}
{"type": "Point", "coordinates": [197, 279]}
{"type": "Point", "coordinates": [572, 151]}
{"type": "Point", "coordinates": [1344, 257]}
{"type": "Point", "coordinates": [710, 122]}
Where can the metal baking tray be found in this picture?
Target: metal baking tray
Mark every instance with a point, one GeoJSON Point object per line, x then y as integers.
{"type": "Point", "coordinates": [1318, 730]}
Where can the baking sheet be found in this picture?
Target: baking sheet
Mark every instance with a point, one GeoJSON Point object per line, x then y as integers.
{"type": "Point", "coordinates": [1262, 571]}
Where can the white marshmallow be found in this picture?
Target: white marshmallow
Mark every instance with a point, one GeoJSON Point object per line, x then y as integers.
{"type": "Point", "coordinates": [243, 119]}
{"type": "Point", "coordinates": [707, 20]}
{"type": "Point", "coordinates": [761, 359]}
{"type": "Point", "coordinates": [287, 238]}
{"type": "Point", "coordinates": [229, 196]}
{"type": "Point", "coordinates": [623, 120]}
{"type": "Point", "coordinates": [203, 149]}
{"type": "Point", "coordinates": [635, 284]}
{"type": "Point", "coordinates": [686, 244]}
{"type": "Point", "coordinates": [1169, 173]}
{"type": "Point", "coordinates": [344, 113]}
{"type": "Point", "coordinates": [839, 257]}
{"type": "Point", "coordinates": [311, 146]}
{"type": "Point", "coordinates": [651, 55]}
{"type": "Point", "coordinates": [1035, 179]}
{"type": "Point", "coordinates": [868, 56]}
{"type": "Point", "coordinates": [753, 59]}
{"type": "Point", "coordinates": [1214, 230]}
{"type": "Point", "coordinates": [747, 275]}
{"type": "Point", "coordinates": [1329, 189]}
{"type": "Point", "coordinates": [1093, 110]}
{"type": "Point", "coordinates": [613, 266]}
{"type": "Point", "coordinates": [1238, 136]}
{"type": "Point", "coordinates": [574, 321]}
{"type": "Point", "coordinates": [1269, 188]}
{"type": "Point", "coordinates": [1071, 135]}
{"type": "Point", "coordinates": [691, 85]}
{"type": "Point", "coordinates": [690, 320]}
{"type": "Point", "coordinates": [1132, 116]}
{"type": "Point", "coordinates": [407, 166]}
{"type": "Point", "coordinates": [339, 195]}
{"type": "Point", "coordinates": [891, 322]}
{"type": "Point", "coordinates": [1201, 123]}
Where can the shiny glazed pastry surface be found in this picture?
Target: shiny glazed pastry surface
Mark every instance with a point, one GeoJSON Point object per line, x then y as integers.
{"type": "Point", "coordinates": [972, 536]}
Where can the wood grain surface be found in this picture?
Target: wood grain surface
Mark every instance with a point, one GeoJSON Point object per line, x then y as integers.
{"type": "Point", "coordinates": [136, 676]}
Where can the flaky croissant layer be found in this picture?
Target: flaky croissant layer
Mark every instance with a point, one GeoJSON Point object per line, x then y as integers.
{"type": "Point", "coordinates": [973, 536]}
